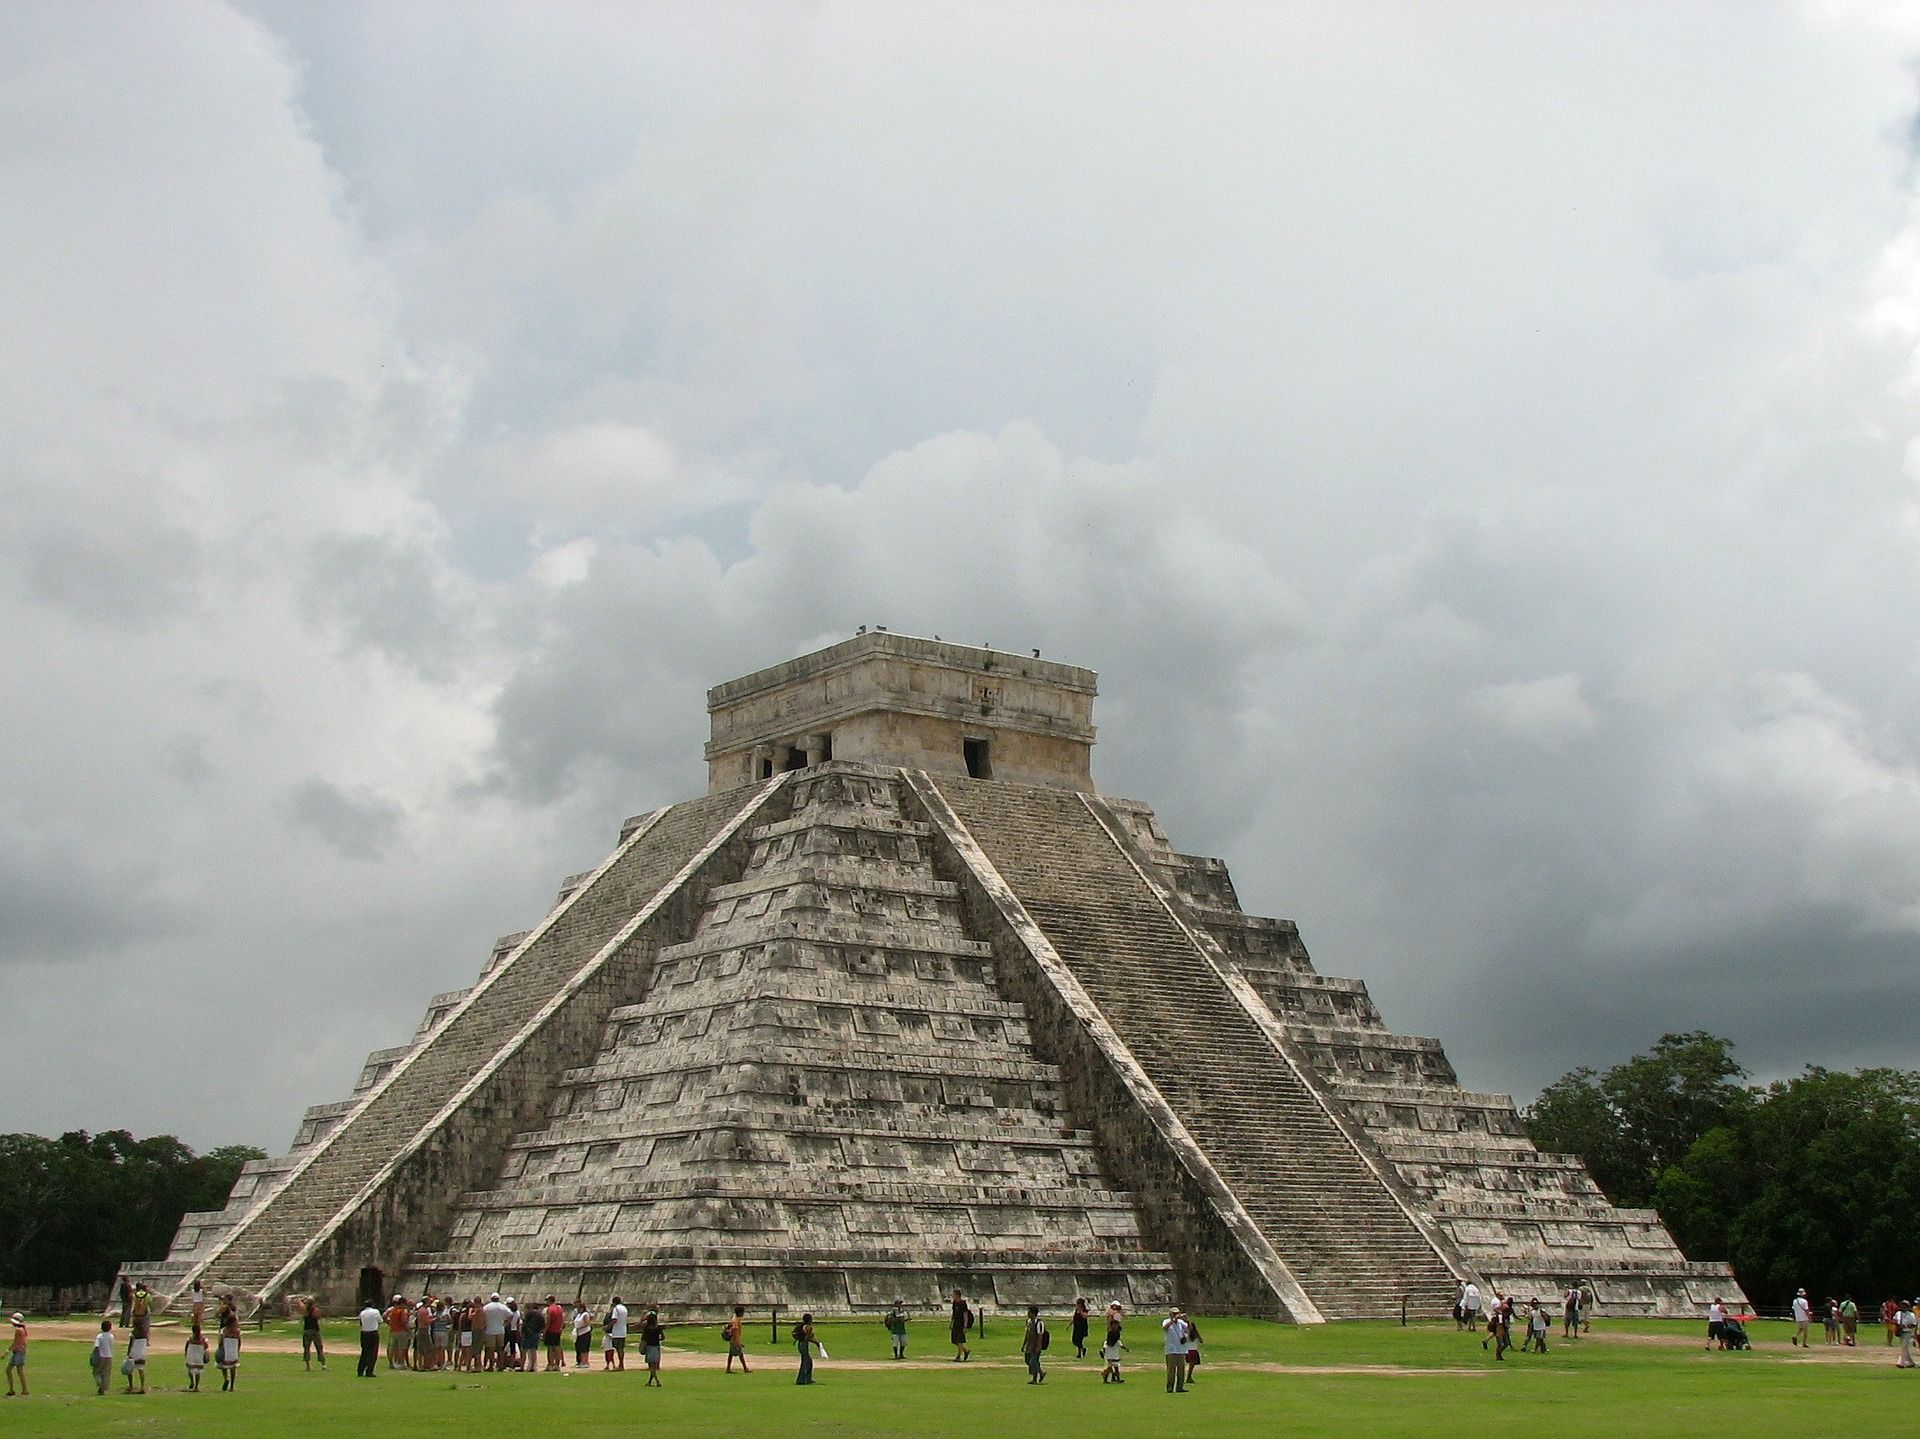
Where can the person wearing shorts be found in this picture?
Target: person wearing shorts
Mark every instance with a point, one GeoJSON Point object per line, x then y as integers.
{"type": "Point", "coordinates": [652, 1335]}
{"type": "Point", "coordinates": [556, 1329]}
{"type": "Point", "coordinates": [1802, 1320]}
{"type": "Point", "coordinates": [17, 1355]}
{"type": "Point", "coordinates": [617, 1332]}
{"type": "Point", "coordinates": [493, 1319]}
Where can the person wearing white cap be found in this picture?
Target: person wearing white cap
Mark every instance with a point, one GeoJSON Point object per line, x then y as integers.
{"type": "Point", "coordinates": [494, 1330]}
{"type": "Point", "coordinates": [17, 1355]}
{"type": "Point", "coordinates": [1173, 1336]}
{"type": "Point", "coordinates": [1802, 1319]}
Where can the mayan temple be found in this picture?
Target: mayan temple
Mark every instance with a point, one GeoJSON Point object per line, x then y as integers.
{"type": "Point", "coordinates": [905, 1004]}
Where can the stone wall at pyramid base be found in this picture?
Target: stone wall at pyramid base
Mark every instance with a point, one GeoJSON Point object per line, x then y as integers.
{"type": "Point", "coordinates": [699, 1284]}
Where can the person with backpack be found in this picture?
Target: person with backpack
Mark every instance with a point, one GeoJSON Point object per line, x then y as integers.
{"type": "Point", "coordinates": [806, 1343]}
{"type": "Point", "coordinates": [957, 1329]}
{"type": "Point", "coordinates": [1849, 1320]}
{"type": "Point", "coordinates": [896, 1322]}
{"type": "Point", "coordinates": [1033, 1343]}
{"type": "Point", "coordinates": [735, 1330]}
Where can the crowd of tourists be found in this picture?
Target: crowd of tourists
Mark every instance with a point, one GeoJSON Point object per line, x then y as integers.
{"type": "Point", "coordinates": [508, 1335]}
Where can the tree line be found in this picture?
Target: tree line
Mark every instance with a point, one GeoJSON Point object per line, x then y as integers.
{"type": "Point", "coordinates": [1813, 1180]}
{"type": "Point", "coordinates": [73, 1209]}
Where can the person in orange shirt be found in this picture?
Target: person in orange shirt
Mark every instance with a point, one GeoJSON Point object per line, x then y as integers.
{"type": "Point", "coordinates": [399, 1339]}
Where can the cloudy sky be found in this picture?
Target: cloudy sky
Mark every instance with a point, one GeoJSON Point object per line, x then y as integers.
{"type": "Point", "coordinates": [1478, 446]}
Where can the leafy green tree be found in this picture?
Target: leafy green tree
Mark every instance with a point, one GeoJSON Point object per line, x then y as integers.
{"type": "Point", "coordinates": [1638, 1118]}
{"type": "Point", "coordinates": [1808, 1181]}
{"type": "Point", "coordinates": [74, 1208]}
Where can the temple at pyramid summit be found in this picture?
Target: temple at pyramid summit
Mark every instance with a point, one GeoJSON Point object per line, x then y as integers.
{"type": "Point", "coordinates": [905, 1004]}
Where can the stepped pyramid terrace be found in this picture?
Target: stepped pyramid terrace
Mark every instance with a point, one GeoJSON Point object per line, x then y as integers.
{"type": "Point", "coordinates": [904, 1004]}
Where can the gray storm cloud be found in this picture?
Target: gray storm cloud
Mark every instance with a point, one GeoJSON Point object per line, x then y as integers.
{"type": "Point", "coordinates": [1478, 453]}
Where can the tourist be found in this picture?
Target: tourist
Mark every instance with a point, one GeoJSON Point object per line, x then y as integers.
{"type": "Point", "coordinates": [420, 1333]}
{"type": "Point", "coordinates": [805, 1342]}
{"type": "Point", "coordinates": [369, 1341]}
{"type": "Point", "coordinates": [1470, 1306]}
{"type": "Point", "coordinates": [17, 1354]}
{"type": "Point", "coordinates": [1460, 1306]}
{"type": "Point", "coordinates": [1904, 1323]}
{"type": "Point", "coordinates": [1173, 1344]}
{"type": "Point", "coordinates": [652, 1335]}
{"type": "Point", "coordinates": [556, 1333]}
{"type": "Point", "coordinates": [1716, 1324]}
{"type": "Point", "coordinates": [397, 1333]}
{"type": "Point", "coordinates": [440, 1329]}
{"type": "Point", "coordinates": [1033, 1343]}
{"type": "Point", "coordinates": [1571, 1312]}
{"type": "Point", "coordinates": [582, 1334]}
{"type": "Point", "coordinates": [126, 1302]}
{"type": "Point", "coordinates": [1193, 1344]}
{"type": "Point", "coordinates": [606, 1339]}
{"type": "Point", "coordinates": [617, 1333]}
{"type": "Point", "coordinates": [1888, 1312]}
{"type": "Point", "coordinates": [1536, 1328]}
{"type": "Point", "coordinates": [1832, 1320]}
{"type": "Point", "coordinates": [1802, 1319]}
{"type": "Point", "coordinates": [1589, 1301]}
{"type": "Point", "coordinates": [493, 1320]}
{"type": "Point", "coordinates": [1081, 1322]}
{"type": "Point", "coordinates": [957, 1328]}
{"type": "Point", "coordinates": [311, 1344]}
{"type": "Point", "coordinates": [1112, 1349]}
{"type": "Point", "coordinates": [101, 1359]}
{"type": "Point", "coordinates": [229, 1355]}
{"type": "Point", "coordinates": [1849, 1320]}
{"type": "Point", "coordinates": [195, 1352]}
{"type": "Point", "coordinates": [135, 1364]}
{"type": "Point", "coordinates": [533, 1331]}
{"type": "Point", "coordinates": [736, 1332]}
{"type": "Point", "coordinates": [197, 1304]}
{"type": "Point", "coordinates": [510, 1340]}
{"type": "Point", "coordinates": [896, 1323]}
{"type": "Point", "coordinates": [137, 1342]}
{"type": "Point", "coordinates": [1499, 1326]}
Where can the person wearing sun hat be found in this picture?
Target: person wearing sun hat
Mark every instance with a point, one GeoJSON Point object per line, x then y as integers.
{"type": "Point", "coordinates": [1802, 1319]}
{"type": "Point", "coordinates": [17, 1354]}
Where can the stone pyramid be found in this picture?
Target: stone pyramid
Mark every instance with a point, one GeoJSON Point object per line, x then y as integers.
{"type": "Point", "coordinates": [905, 1005]}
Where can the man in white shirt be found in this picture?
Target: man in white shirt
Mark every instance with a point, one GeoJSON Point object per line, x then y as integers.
{"type": "Point", "coordinates": [494, 1315]}
{"type": "Point", "coordinates": [1173, 1343]}
{"type": "Point", "coordinates": [1802, 1319]}
{"type": "Point", "coordinates": [1470, 1304]}
{"type": "Point", "coordinates": [1904, 1323]}
{"type": "Point", "coordinates": [617, 1332]}
{"type": "Point", "coordinates": [370, 1318]}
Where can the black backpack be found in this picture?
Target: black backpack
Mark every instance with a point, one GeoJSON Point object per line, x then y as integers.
{"type": "Point", "coordinates": [1046, 1336]}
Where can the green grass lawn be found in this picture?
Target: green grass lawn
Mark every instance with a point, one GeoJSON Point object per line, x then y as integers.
{"type": "Point", "coordinates": [1628, 1379]}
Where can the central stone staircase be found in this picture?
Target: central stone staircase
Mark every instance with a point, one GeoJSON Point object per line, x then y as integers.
{"type": "Point", "coordinates": [1322, 1206]}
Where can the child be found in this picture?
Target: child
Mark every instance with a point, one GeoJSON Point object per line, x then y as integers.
{"type": "Point", "coordinates": [897, 1328]}
{"type": "Point", "coordinates": [102, 1357]}
{"type": "Point", "coordinates": [17, 1355]}
{"type": "Point", "coordinates": [196, 1358]}
{"type": "Point", "coordinates": [606, 1339]}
